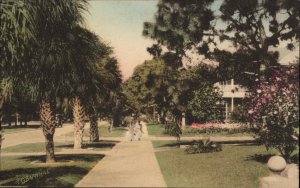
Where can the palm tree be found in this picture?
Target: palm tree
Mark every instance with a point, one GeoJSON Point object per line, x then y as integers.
{"type": "Point", "coordinates": [94, 132]}
{"type": "Point", "coordinates": [86, 84]}
{"type": "Point", "coordinates": [95, 75]}
{"type": "Point", "coordinates": [106, 80]}
{"type": "Point", "coordinates": [78, 114]}
{"type": "Point", "coordinates": [16, 31]}
{"type": "Point", "coordinates": [54, 20]}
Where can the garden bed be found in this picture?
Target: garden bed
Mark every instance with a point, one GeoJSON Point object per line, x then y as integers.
{"type": "Point", "coordinates": [229, 130]}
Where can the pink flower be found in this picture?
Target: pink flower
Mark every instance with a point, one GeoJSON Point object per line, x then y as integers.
{"type": "Point", "coordinates": [273, 88]}
{"type": "Point", "coordinates": [250, 111]}
{"type": "Point", "coordinates": [264, 101]}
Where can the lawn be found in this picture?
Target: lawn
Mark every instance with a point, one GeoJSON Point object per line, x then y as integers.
{"type": "Point", "coordinates": [30, 171]}
{"type": "Point", "coordinates": [16, 129]}
{"type": "Point", "coordinates": [158, 130]}
{"type": "Point", "coordinates": [104, 132]}
{"type": "Point", "coordinates": [116, 131]}
{"type": "Point", "coordinates": [235, 166]}
{"type": "Point", "coordinates": [40, 147]}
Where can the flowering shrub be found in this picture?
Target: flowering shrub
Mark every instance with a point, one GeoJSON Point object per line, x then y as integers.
{"type": "Point", "coordinates": [205, 125]}
{"type": "Point", "coordinates": [215, 128]}
{"type": "Point", "coordinates": [273, 110]}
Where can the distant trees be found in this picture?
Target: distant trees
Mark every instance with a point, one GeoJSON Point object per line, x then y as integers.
{"type": "Point", "coordinates": [143, 88]}
{"type": "Point", "coordinates": [168, 89]}
{"type": "Point", "coordinates": [154, 85]}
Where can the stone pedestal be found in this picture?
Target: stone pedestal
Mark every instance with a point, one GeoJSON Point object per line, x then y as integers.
{"type": "Point", "coordinates": [282, 175]}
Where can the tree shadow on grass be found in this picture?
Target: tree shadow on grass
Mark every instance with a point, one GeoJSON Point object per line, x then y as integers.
{"type": "Point", "coordinates": [241, 142]}
{"type": "Point", "coordinates": [109, 144]}
{"type": "Point", "coordinates": [66, 158]}
{"type": "Point", "coordinates": [176, 144]}
{"type": "Point", "coordinates": [236, 143]}
{"type": "Point", "coordinates": [54, 176]}
{"type": "Point", "coordinates": [35, 126]}
{"type": "Point", "coordinates": [262, 158]}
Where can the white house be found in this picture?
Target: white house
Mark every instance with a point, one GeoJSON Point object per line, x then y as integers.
{"type": "Point", "coordinates": [232, 95]}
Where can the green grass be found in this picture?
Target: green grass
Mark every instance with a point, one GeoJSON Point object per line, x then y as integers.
{"type": "Point", "coordinates": [30, 148]}
{"type": "Point", "coordinates": [103, 131]}
{"type": "Point", "coordinates": [16, 129]}
{"type": "Point", "coordinates": [235, 166]}
{"type": "Point", "coordinates": [30, 171]}
{"type": "Point", "coordinates": [116, 132]}
{"type": "Point", "coordinates": [40, 147]}
{"type": "Point", "coordinates": [158, 130]}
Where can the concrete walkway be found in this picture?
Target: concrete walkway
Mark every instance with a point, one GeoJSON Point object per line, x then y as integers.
{"type": "Point", "coordinates": [128, 164]}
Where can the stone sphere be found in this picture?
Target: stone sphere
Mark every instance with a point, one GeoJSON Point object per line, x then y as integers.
{"type": "Point", "coordinates": [276, 163]}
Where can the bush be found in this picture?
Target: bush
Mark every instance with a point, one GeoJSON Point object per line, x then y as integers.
{"type": "Point", "coordinates": [209, 131]}
{"type": "Point", "coordinates": [203, 146]}
{"type": "Point", "coordinates": [205, 103]}
{"type": "Point", "coordinates": [273, 110]}
{"type": "Point", "coordinates": [173, 129]}
{"type": "Point", "coordinates": [239, 114]}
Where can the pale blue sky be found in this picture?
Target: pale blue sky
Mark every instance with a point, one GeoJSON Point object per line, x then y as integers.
{"type": "Point", "coordinates": [120, 23]}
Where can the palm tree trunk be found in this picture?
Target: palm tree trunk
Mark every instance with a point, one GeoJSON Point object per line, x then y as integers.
{"type": "Point", "coordinates": [78, 113]}
{"type": "Point", "coordinates": [48, 126]}
{"type": "Point", "coordinates": [94, 135]}
{"type": "Point", "coordinates": [1, 117]}
{"type": "Point", "coordinates": [3, 95]}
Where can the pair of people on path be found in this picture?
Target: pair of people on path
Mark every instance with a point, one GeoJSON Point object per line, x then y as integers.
{"type": "Point", "coordinates": [135, 130]}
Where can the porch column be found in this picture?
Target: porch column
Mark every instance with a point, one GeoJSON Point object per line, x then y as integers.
{"type": "Point", "coordinates": [232, 104]}
{"type": "Point", "coordinates": [226, 112]}
{"type": "Point", "coordinates": [183, 121]}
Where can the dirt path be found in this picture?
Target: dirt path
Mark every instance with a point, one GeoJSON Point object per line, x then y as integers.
{"type": "Point", "coordinates": [128, 164]}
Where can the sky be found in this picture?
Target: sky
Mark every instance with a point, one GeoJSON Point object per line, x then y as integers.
{"type": "Point", "coordinates": [120, 24]}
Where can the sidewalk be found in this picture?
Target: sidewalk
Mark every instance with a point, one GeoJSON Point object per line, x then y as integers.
{"type": "Point", "coordinates": [128, 164]}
